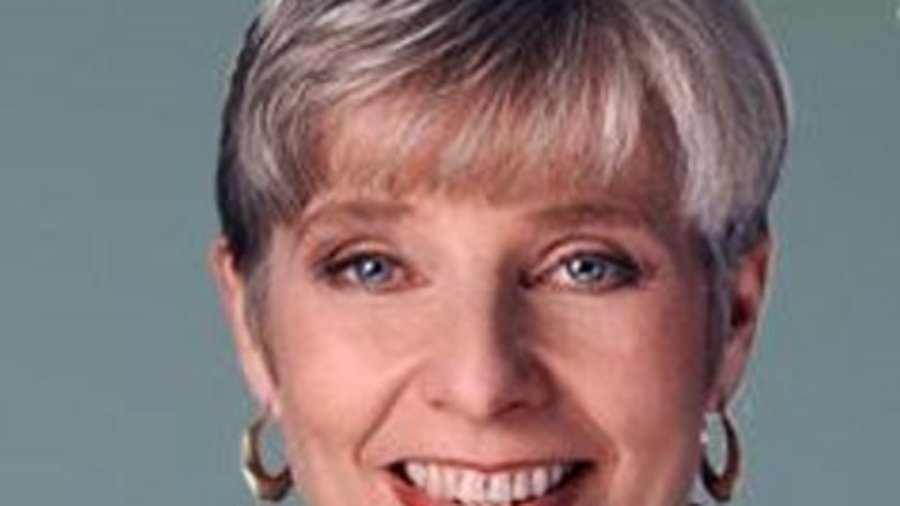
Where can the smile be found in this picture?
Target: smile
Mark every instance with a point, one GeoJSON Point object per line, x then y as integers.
{"type": "Point", "coordinates": [427, 483]}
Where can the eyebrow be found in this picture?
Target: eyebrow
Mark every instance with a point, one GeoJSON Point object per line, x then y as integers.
{"type": "Point", "coordinates": [362, 210]}
{"type": "Point", "coordinates": [572, 215]}
{"type": "Point", "coordinates": [567, 215]}
{"type": "Point", "coordinates": [582, 213]}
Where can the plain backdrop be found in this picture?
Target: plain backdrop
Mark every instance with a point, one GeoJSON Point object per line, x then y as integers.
{"type": "Point", "coordinates": [117, 380]}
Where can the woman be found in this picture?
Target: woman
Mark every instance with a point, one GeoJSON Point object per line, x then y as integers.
{"type": "Point", "coordinates": [497, 252]}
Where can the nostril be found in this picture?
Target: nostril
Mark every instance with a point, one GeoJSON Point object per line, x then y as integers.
{"type": "Point", "coordinates": [481, 383]}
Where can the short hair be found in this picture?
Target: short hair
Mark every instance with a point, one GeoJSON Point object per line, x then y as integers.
{"type": "Point", "coordinates": [513, 86]}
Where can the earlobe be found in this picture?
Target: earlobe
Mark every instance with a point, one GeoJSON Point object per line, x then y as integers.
{"type": "Point", "coordinates": [233, 296]}
{"type": "Point", "coordinates": [747, 294]}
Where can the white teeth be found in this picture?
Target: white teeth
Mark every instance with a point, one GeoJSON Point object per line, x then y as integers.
{"type": "Point", "coordinates": [521, 486]}
{"type": "Point", "coordinates": [556, 473]}
{"type": "Point", "coordinates": [540, 481]}
{"type": "Point", "coordinates": [418, 473]}
{"type": "Point", "coordinates": [435, 483]}
{"type": "Point", "coordinates": [472, 487]}
{"type": "Point", "coordinates": [451, 481]}
{"type": "Point", "coordinates": [499, 488]}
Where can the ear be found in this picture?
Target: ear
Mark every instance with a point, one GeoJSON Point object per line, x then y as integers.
{"type": "Point", "coordinates": [748, 281]}
{"type": "Point", "coordinates": [232, 290]}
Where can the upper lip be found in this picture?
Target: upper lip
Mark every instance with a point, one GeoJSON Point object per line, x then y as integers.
{"type": "Point", "coordinates": [496, 466]}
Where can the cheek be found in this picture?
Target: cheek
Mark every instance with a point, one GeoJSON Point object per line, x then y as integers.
{"type": "Point", "coordinates": [339, 366]}
{"type": "Point", "coordinates": [636, 370]}
{"type": "Point", "coordinates": [645, 354]}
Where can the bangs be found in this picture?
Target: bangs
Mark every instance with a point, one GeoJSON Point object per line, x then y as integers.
{"type": "Point", "coordinates": [493, 142]}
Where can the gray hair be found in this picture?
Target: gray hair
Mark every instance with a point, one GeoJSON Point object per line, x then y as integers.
{"type": "Point", "coordinates": [512, 86]}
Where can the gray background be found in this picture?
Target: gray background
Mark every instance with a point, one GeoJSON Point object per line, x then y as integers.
{"type": "Point", "coordinates": [117, 382]}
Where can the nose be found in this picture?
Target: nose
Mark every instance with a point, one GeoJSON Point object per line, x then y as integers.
{"type": "Point", "coordinates": [483, 366]}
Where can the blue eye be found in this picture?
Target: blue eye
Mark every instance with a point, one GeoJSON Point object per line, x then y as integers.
{"type": "Point", "coordinates": [372, 271]}
{"type": "Point", "coordinates": [587, 269]}
{"type": "Point", "coordinates": [594, 271]}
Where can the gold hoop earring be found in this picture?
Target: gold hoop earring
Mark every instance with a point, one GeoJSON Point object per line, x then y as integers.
{"type": "Point", "coordinates": [721, 486]}
{"type": "Point", "coordinates": [263, 485]}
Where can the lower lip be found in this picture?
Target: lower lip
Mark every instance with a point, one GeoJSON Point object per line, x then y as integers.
{"type": "Point", "coordinates": [412, 496]}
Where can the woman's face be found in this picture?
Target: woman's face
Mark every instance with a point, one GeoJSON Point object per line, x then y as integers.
{"type": "Point", "coordinates": [547, 349]}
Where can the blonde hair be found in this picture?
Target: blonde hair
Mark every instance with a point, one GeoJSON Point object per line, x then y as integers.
{"type": "Point", "coordinates": [512, 87]}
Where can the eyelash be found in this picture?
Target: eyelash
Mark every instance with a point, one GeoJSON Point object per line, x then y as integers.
{"type": "Point", "coordinates": [343, 271]}
{"type": "Point", "coordinates": [616, 271]}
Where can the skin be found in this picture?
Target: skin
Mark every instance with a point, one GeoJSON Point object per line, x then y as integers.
{"type": "Point", "coordinates": [555, 323]}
